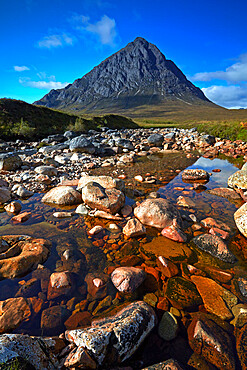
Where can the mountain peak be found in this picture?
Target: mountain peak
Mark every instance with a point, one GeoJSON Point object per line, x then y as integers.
{"type": "Point", "coordinates": [137, 75]}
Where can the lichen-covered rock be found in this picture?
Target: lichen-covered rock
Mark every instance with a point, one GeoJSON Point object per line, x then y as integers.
{"type": "Point", "coordinates": [32, 350]}
{"type": "Point", "coordinates": [114, 339]}
{"type": "Point", "coordinates": [210, 341]}
{"type": "Point", "coordinates": [195, 175]}
{"type": "Point", "coordinates": [240, 217]}
{"type": "Point", "coordinates": [21, 254]}
{"type": "Point", "coordinates": [10, 161]}
{"type": "Point", "coordinates": [62, 195]}
{"type": "Point", "coordinates": [108, 200]}
{"type": "Point", "coordinates": [107, 182]}
{"type": "Point", "coordinates": [13, 207]}
{"type": "Point", "coordinates": [238, 180]}
{"type": "Point", "coordinates": [215, 246]}
{"type": "Point", "coordinates": [127, 279]}
{"type": "Point", "coordinates": [158, 213]}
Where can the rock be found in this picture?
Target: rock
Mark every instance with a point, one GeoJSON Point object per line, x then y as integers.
{"type": "Point", "coordinates": [52, 320]}
{"type": "Point", "coordinates": [174, 233]}
{"type": "Point", "coordinates": [43, 179]}
{"type": "Point", "coordinates": [5, 195]}
{"type": "Point", "coordinates": [21, 255]}
{"type": "Point", "coordinates": [215, 246]}
{"type": "Point", "coordinates": [218, 232]}
{"type": "Point", "coordinates": [79, 358]}
{"type": "Point", "coordinates": [62, 195]}
{"type": "Point", "coordinates": [46, 170]}
{"type": "Point", "coordinates": [78, 320]}
{"type": "Point", "coordinates": [107, 215]}
{"type": "Point", "coordinates": [82, 145]}
{"type": "Point", "coordinates": [242, 283]}
{"type": "Point", "coordinates": [95, 230]}
{"type": "Point", "coordinates": [60, 284]}
{"type": "Point", "coordinates": [13, 207]}
{"type": "Point", "coordinates": [139, 178]}
{"type": "Point", "coordinates": [97, 285]}
{"type": "Point", "coordinates": [155, 140]}
{"type": "Point", "coordinates": [166, 267]}
{"type": "Point", "coordinates": [158, 213]}
{"type": "Point", "coordinates": [241, 340]}
{"type": "Point", "coordinates": [182, 293]}
{"type": "Point", "coordinates": [225, 193]}
{"type": "Point", "coordinates": [10, 161]}
{"type": "Point", "coordinates": [185, 202]}
{"type": "Point", "coordinates": [22, 192]}
{"type": "Point", "coordinates": [31, 350]}
{"type": "Point", "coordinates": [107, 182]}
{"type": "Point", "coordinates": [108, 200]}
{"type": "Point", "coordinates": [127, 279]}
{"type": "Point", "coordinates": [134, 228]}
{"type": "Point", "coordinates": [238, 180]}
{"type": "Point", "coordinates": [210, 341]}
{"type": "Point", "coordinates": [167, 248]}
{"type": "Point", "coordinates": [126, 210]}
{"type": "Point", "coordinates": [170, 364]}
{"type": "Point", "coordinates": [151, 299]}
{"type": "Point", "coordinates": [124, 144]}
{"type": "Point", "coordinates": [22, 217]}
{"type": "Point", "coordinates": [195, 175]}
{"type": "Point", "coordinates": [82, 210]}
{"type": "Point", "coordinates": [129, 327]}
{"type": "Point", "coordinates": [240, 315]}
{"type": "Point", "coordinates": [240, 217]}
{"type": "Point", "coordinates": [13, 312]}
{"type": "Point", "coordinates": [211, 222]}
{"type": "Point", "coordinates": [168, 326]}
{"type": "Point", "coordinates": [63, 214]}
{"type": "Point", "coordinates": [208, 139]}
{"type": "Point", "coordinates": [216, 299]}
{"type": "Point", "coordinates": [103, 305]}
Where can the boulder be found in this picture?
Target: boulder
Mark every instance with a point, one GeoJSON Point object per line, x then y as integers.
{"type": "Point", "coordinates": [240, 217]}
{"type": "Point", "coordinates": [62, 195]}
{"type": "Point", "coordinates": [46, 170]}
{"type": "Point", "coordinates": [124, 144]}
{"type": "Point", "coordinates": [10, 161]}
{"type": "Point", "coordinates": [21, 255]}
{"type": "Point", "coordinates": [134, 228]}
{"type": "Point", "coordinates": [13, 312]}
{"type": "Point", "coordinates": [79, 358]}
{"type": "Point", "coordinates": [127, 279]}
{"type": "Point", "coordinates": [82, 145]}
{"type": "Point", "coordinates": [238, 180]}
{"type": "Point", "coordinates": [155, 140]}
{"type": "Point", "coordinates": [215, 246]}
{"type": "Point", "coordinates": [107, 182]}
{"type": "Point", "coordinates": [210, 341]}
{"type": "Point", "coordinates": [52, 319]}
{"type": "Point", "coordinates": [108, 200]}
{"type": "Point", "coordinates": [127, 330]}
{"type": "Point", "coordinates": [60, 284]}
{"type": "Point", "coordinates": [195, 175]}
{"type": "Point", "coordinates": [5, 195]}
{"type": "Point", "coordinates": [32, 351]}
{"type": "Point", "coordinates": [158, 213]}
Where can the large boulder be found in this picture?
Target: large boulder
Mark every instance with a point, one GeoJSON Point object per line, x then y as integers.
{"type": "Point", "coordinates": [62, 195]}
{"type": "Point", "coordinates": [21, 254]}
{"type": "Point", "coordinates": [82, 145]}
{"type": "Point", "coordinates": [240, 217]}
{"type": "Point", "coordinates": [158, 213]}
{"type": "Point", "coordinates": [155, 140]}
{"type": "Point", "coordinates": [127, 279]}
{"type": "Point", "coordinates": [21, 349]}
{"type": "Point", "coordinates": [114, 339]}
{"type": "Point", "coordinates": [108, 200]}
{"type": "Point", "coordinates": [10, 161]}
{"type": "Point", "coordinates": [215, 246]}
{"type": "Point", "coordinates": [238, 180]}
{"type": "Point", "coordinates": [107, 182]}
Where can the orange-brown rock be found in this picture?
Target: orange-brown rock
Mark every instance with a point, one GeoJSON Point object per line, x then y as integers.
{"type": "Point", "coordinates": [21, 255]}
{"type": "Point", "coordinates": [60, 284]}
{"type": "Point", "coordinates": [13, 207]}
{"type": "Point", "coordinates": [167, 267]}
{"type": "Point", "coordinates": [211, 222]}
{"type": "Point", "coordinates": [78, 320]}
{"type": "Point", "coordinates": [22, 217]}
{"type": "Point", "coordinates": [216, 299]}
{"type": "Point", "coordinates": [79, 358]}
{"type": "Point", "coordinates": [221, 233]}
{"type": "Point", "coordinates": [217, 274]}
{"type": "Point", "coordinates": [241, 345]}
{"type": "Point", "coordinates": [13, 312]}
{"type": "Point", "coordinates": [182, 293]}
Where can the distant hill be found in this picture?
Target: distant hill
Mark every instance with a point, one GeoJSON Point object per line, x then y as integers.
{"type": "Point", "coordinates": [20, 119]}
{"type": "Point", "coordinates": [138, 77]}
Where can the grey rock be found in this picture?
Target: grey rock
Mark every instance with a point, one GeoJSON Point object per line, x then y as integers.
{"type": "Point", "coordinates": [82, 145]}
{"type": "Point", "coordinates": [10, 161]}
{"type": "Point", "coordinates": [155, 140]}
{"type": "Point", "coordinates": [124, 143]}
{"type": "Point", "coordinates": [208, 139]}
{"type": "Point", "coordinates": [46, 170]}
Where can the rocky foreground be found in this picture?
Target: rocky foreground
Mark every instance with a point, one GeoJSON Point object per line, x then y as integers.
{"type": "Point", "coordinates": [164, 303]}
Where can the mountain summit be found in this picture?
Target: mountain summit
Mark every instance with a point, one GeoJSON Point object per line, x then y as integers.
{"type": "Point", "coordinates": [137, 75]}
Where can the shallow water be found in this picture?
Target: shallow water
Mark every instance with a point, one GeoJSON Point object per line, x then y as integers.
{"type": "Point", "coordinates": [96, 254]}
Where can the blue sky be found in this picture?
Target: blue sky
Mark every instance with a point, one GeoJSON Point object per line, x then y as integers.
{"type": "Point", "coordinates": [50, 43]}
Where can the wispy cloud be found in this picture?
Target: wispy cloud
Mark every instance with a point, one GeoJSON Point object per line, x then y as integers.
{"type": "Point", "coordinates": [43, 85]}
{"type": "Point", "coordinates": [55, 41]}
{"type": "Point", "coordinates": [237, 72]}
{"type": "Point", "coordinates": [232, 96]}
{"type": "Point", "coordinates": [104, 29]}
{"type": "Point", "coordinates": [21, 68]}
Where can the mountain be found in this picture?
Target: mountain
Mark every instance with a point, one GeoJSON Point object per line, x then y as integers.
{"type": "Point", "coordinates": [138, 75]}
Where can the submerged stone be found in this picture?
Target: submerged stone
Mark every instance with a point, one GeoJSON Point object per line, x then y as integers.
{"type": "Point", "coordinates": [182, 293]}
{"type": "Point", "coordinates": [127, 279]}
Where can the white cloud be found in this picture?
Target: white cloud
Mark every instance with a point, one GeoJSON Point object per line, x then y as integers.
{"type": "Point", "coordinates": [105, 28]}
{"type": "Point", "coordinates": [43, 85]}
{"type": "Point", "coordinates": [237, 72]}
{"type": "Point", "coordinates": [232, 96]}
{"type": "Point", "coordinates": [54, 41]}
{"type": "Point", "coordinates": [21, 68]}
